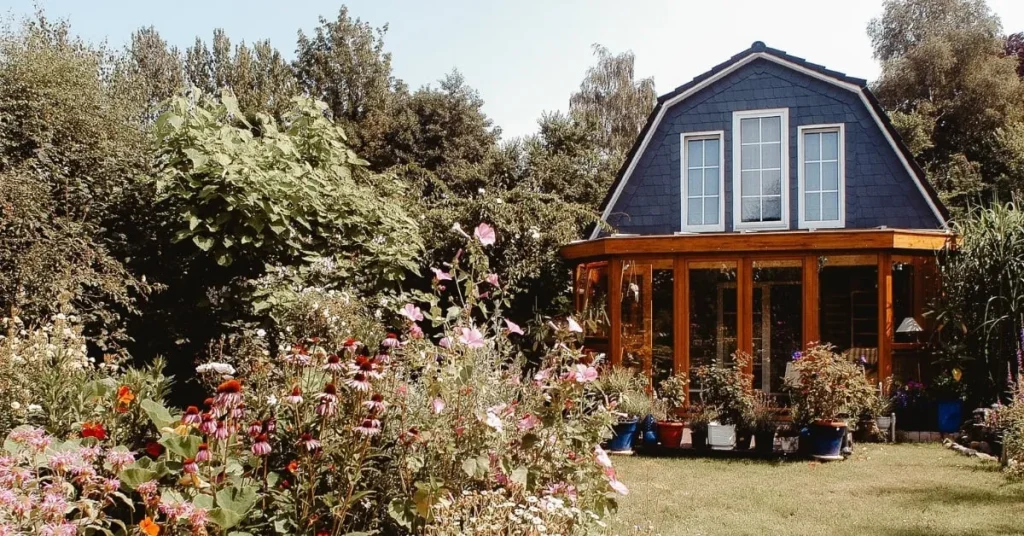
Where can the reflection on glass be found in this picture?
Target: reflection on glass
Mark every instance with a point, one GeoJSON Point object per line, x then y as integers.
{"type": "Point", "coordinates": [777, 320]}
{"type": "Point", "coordinates": [848, 307]}
{"type": "Point", "coordinates": [592, 298]}
{"type": "Point", "coordinates": [636, 315]}
{"type": "Point", "coordinates": [712, 313]}
{"type": "Point", "coordinates": [663, 350]}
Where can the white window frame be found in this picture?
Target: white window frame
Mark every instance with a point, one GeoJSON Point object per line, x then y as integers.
{"type": "Point", "coordinates": [737, 216]}
{"type": "Point", "coordinates": [684, 183]}
{"type": "Point", "coordinates": [840, 128]}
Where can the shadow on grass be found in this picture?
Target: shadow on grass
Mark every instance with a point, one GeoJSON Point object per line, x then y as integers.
{"type": "Point", "coordinates": [931, 495]}
{"type": "Point", "coordinates": [1002, 529]}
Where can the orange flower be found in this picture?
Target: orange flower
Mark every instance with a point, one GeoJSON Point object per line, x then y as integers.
{"type": "Point", "coordinates": [230, 386]}
{"type": "Point", "coordinates": [293, 466]}
{"type": "Point", "coordinates": [149, 527]}
{"type": "Point", "coordinates": [124, 398]}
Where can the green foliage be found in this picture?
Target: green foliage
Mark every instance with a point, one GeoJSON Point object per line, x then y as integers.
{"type": "Point", "coordinates": [625, 390]}
{"type": "Point", "coordinates": [673, 391]}
{"type": "Point", "coordinates": [829, 386]}
{"type": "Point", "coordinates": [726, 389]}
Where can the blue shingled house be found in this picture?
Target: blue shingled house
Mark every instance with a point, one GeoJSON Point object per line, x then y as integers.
{"type": "Point", "coordinates": [767, 204]}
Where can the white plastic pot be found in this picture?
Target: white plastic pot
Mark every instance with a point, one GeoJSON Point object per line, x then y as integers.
{"type": "Point", "coordinates": [722, 436]}
{"type": "Point", "coordinates": [789, 444]}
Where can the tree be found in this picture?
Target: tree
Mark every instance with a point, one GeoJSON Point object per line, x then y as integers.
{"type": "Point", "coordinates": [1014, 47]}
{"type": "Point", "coordinates": [151, 69]}
{"type": "Point", "coordinates": [611, 100]}
{"type": "Point", "coordinates": [952, 92]}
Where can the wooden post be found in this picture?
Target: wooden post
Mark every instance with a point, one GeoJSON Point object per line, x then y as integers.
{"type": "Point", "coordinates": [648, 322]}
{"type": "Point", "coordinates": [615, 311]}
{"type": "Point", "coordinates": [811, 327]}
{"type": "Point", "coordinates": [745, 310]}
{"type": "Point", "coordinates": [681, 318]}
{"type": "Point", "coordinates": [885, 325]}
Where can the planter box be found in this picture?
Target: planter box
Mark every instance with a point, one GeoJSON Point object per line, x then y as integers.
{"type": "Point", "coordinates": [722, 436]}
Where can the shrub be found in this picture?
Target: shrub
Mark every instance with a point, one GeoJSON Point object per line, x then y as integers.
{"type": "Point", "coordinates": [673, 392]}
{"type": "Point", "coordinates": [624, 390]}
{"type": "Point", "coordinates": [829, 386]}
{"type": "Point", "coordinates": [726, 388]}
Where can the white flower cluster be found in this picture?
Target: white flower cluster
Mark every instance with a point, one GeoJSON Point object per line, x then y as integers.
{"type": "Point", "coordinates": [497, 512]}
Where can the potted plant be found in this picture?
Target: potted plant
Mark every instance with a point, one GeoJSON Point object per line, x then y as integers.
{"type": "Point", "coordinates": [624, 391]}
{"type": "Point", "coordinates": [876, 418]}
{"type": "Point", "coordinates": [911, 405]}
{"type": "Point", "coordinates": [673, 395]}
{"type": "Point", "coordinates": [700, 420]}
{"type": "Point", "coordinates": [948, 393]}
{"type": "Point", "coordinates": [726, 388]}
{"type": "Point", "coordinates": [789, 438]}
{"type": "Point", "coordinates": [659, 413]}
{"type": "Point", "coordinates": [828, 387]}
{"type": "Point", "coordinates": [762, 423]}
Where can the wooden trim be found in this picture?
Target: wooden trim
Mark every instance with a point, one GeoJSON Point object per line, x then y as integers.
{"type": "Point", "coordinates": [811, 291]}
{"type": "Point", "coordinates": [681, 318]}
{"type": "Point", "coordinates": [745, 309]}
{"type": "Point", "coordinates": [885, 326]}
{"type": "Point", "coordinates": [615, 312]}
{"type": "Point", "coordinates": [845, 241]}
{"type": "Point", "coordinates": [647, 272]}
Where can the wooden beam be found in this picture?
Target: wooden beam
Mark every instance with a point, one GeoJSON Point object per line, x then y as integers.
{"type": "Point", "coordinates": [885, 325]}
{"type": "Point", "coordinates": [648, 322]}
{"type": "Point", "coordinates": [615, 311]}
{"type": "Point", "coordinates": [745, 309]}
{"type": "Point", "coordinates": [681, 319]}
{"type": "Point", "coordinates": [810, 313]}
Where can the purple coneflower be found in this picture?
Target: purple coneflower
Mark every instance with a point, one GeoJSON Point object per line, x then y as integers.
{"type": "Point", "coordinates": [359, 382]}
{"type": "Point", "coordinates": [376, 403]}
{"type": "Point", "coordinates": [208, 424]}
{"type": "Point", "coordinates": [203, 454]}
{"type": "Point", "coordinates": [328, 401]}
{"type": "Point", "coordinates": [190, 466]}
{"type": "Point", "coordinates": [255, 429]}
{"type": "Point", "coordinates": [223, 432]}
{"type": "Point", "coordinates": [229, 394]}
{"type": "Point", "coordinates": [333, 364]}
{"type": "Point", "coordinates": [295, 398]}
{"type": "Point", "coordinates": [191, 416]}
{"type": "Point", "coordinates": [369, 427]}
{"type": "Point", "coordinates": [261, 447]}
{"type": "Point", "coordinates": [308, 442]}
{"type": "Point", "coordinates": [391, 341]}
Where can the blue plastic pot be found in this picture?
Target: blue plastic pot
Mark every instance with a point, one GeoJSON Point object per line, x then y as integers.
{"type": "Point", "coordinates": [622, 440]}
{"type": "Point", "coordinates": [950, 413]}
{"type": "Point", "coordinates": [827, 439]}
{"type": "Point", "coordinates": [649, 431]}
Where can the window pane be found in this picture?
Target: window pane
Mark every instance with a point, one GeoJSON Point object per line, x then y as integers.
{"type": "Point", "coordinates": [772, 209]}
{"type": "Point", "coordinates": [830, 206]}
{"type": "Point", "coordinates": [751, 208]}
{"type": "Point", "coordinates": [812, 147]}
{"type": "Point", "coordinates": [750, 157]}
{"type": "Point", "coordinates": [693, 211]}
{"type": "Point", "coordinates": [749, 131]}
{"type": "Point", "coordinates": [711, 182]}
{"type": "Point", "coordinates": [812, 177]}
{"type": "Point", "coordinates": [694, 154]}
{"type": "Point", "coordinates": [830, 176]}
{"type": "Point", "coordinates": [750, 183]}
{"type": "Point", "coordinates": [711, 210]}
{"type": "Point", "coordinates": [771, 182]}
{"type": "Point", "coordinates": [695, 178]}
{"type": "Point", "coordinates": [771, 156]}
{"type": "Point", "coordinates": [830, 146]}
{"type": "Point", "coordinates": [771, 129]}
{"type": "Point", "coordinates": [812, 207]}
{"type": "Point", "coordinates": [711, 152]}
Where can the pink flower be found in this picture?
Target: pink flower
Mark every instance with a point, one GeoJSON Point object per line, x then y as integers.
{"type": "Point", "coordinates": [333, 364]}
{"type": "Point", "coordinates": [513, 327]}
{"type": "Point", "coordinates": [492, 279]}
{"type": "Point", "coordinates": [412, 312]}
{"type": "Point", "coordinates": [445, 342]}
{"type": "Point", "coordinates": [485, 234]}
{"type": "Point", "coordinates": [472, 338]}
{"type": "Point", "coordinates": [528, 422]}
{"type": "Point", "coordinates": [438, 405]}
{"type": "Point", "coordinates": [376, 403]}
{"type": "Point", "coordinates": [585, 374]}
{"type": "Point", "coordinates": [494, 421]}
{"type": "Point", "coordinates": [416, 332]}
{"type": "Point", "coordinates": [368, 427]}
{"type": "Point", "coordinates": [309, 442]}
{"type": "Point", "coordinates": [602, 457]}
{"type": "Point", "coordinates": [542, 375]}
{"type": "Point", "coordinates": [190, 467]}
{"type": "Point", "coordinates": [441, 275]}
{"type": "Point", "coordinates": [573, 326]}
{"type": "Point", "coordinates": [359, 382]}
{"type": "Point", "coordinates": [262, 446]}
{"type": "Point", "coordinates": [619, 487]}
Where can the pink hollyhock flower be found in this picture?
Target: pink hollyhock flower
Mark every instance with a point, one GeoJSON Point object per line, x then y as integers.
{"type": "Point", "coordinates": [585, 374]}
{"type": "Point", "coordinates": [485, 234]}
{"type": "Point", "coordinates": [437, 405]}
{"type": "Point", "coordinates": [513, 327]}
{"type": "Point", "coordinates": [445, 342]}
{"type": "Point", "coordinates": [573, 326]}
{"type": "Point", "coordinates": [416, 331]}
{"type": "Point", "coordinates": [602, 457]}
{"type": "Point", "coordinates": [412, 312]}
{"type": "Point", "coordinates": [492, 279]}
{"type": "Point", "coordinates": [472, 338]}
{"type": "Point", "coordinates": [528, 422]}
{"type": "Point", "coordinates": [441, 275]}
{"type": "Point", "coordinates": [619, 487]}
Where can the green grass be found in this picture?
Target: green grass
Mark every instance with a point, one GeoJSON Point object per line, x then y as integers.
{"type": "Point", "coordinates": [884, 490]}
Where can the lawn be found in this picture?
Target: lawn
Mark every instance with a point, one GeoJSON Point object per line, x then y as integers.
{"type": "Point", "coordinates": [885, 490]}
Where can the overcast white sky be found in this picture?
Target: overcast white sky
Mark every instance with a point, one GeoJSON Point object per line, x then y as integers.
{"type": "Point", "coordinates": [526, 56]}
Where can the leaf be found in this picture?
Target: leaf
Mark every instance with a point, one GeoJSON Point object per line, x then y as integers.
{"type": "Point", "coordinates": [224, 519]}
{"type": "Point", "coordinates": [203, 501]}
{"type": "Point", "coordinates": [204, 243]}
{"type": "Point", "coordinates": [238, 500]}
{"type": "Point", "coordinates": [224, 259]}
{"type": "Point", "coordinates": [520, 475]}
{"type": "Point", "coordinates": [198, 159]}
{"type": "Point", "coordinates": [133, 476]}
{"type": "Point", "coordinates": [184, 446]}
{"type": "Point", "coordinates": [158, 414]}
{"type": "Point", "coordinates": [403, 511]}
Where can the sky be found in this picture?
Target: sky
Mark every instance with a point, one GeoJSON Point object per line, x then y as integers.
{"type": "Point", "coordinates": [524, 57]}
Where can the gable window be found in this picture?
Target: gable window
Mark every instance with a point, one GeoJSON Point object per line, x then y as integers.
{"type": "Point", "coordinates": [821, 176]}
{"type": "Point", "coordinates": [760, 143]}
{"type": "Point", "coordinates": [702, 181]}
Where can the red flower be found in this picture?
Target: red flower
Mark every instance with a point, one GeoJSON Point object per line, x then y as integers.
{"type": "Point", "coordinates": [124, 398]}
{"type": "Point", "coordinates": [94, 429]}
{"type": "Point", "coordinates": [293, 466]}
{"type": "Point", "coordinates": [230, 386]}
{"type": "Point", "coordinates": [154, 449]}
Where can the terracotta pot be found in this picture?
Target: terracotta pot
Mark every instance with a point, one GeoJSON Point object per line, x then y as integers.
{"type": "Point", "coordinates": [670, 433]}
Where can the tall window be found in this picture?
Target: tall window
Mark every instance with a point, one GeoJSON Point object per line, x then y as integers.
{"type": "Point", "coordinates": [822, 176]}
{"type": "Point", "coordinates": [761, 169]}
{"type": "Point", "coordinates": [702, 181]}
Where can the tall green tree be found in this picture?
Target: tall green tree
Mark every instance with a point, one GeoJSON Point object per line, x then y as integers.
{"type": "Point", "coordinates": [953, 93]}
{"type": "Point", "coordinates": [150, 69]}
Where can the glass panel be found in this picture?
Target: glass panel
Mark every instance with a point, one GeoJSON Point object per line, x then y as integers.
{"type": "Point", "coordinates": [771, 182]}
{"type": "Point", "coordinates": [749, 130]}
{"type": "Point", "coordinates": [750, 158]}
{"type": "Point", "coordinates": [830, 206]}
{"type": "Point", "coordinates": [903, 301]}
{"type": "Point", "coordinates": [636, 319]}
{"type": "Point", "coordinates": [711, 210]}
{"type": "Point", "coordinates": [771, 129]}
{"type": "Point", "coordinates": [750, 208]}
{"type": "Point", "coordinates": [812, 146]}
{"type": "Point", "coordinates": [693, 211]}
{"type": "Point", "coordinates": [592, 289]}
{"type": "Point", "coordinates": [750, 183]}
{"type": "Point", "coordinates": [663, 350]}
{"type": "Point", "coordinates": [711, 152]}
{"type": "Point", "coordinates": [848, 307]}
{"type": "Point", "coordinates": [694, 154]}
{"type": "Point", "coordinates": [711, 182]}
{"type": "Point", "coordinates": [695, 180]}
{"type": "Point", "coordinates": [778, 319]}
{"type": "Point", "coordinates": [830, 176]}
{"type": "Point", "coordinates": [772, 209]}
{"type": "Point", "coordinates": [812, 207]}
{"type": "Point", "coordinates": [771, 156]}
{"type": "Point", "coordinates": [712, 314]}
{"type": "Point", "coordinates": [830, 146]}
{"type": "Point", "coordinates": [812, 176]}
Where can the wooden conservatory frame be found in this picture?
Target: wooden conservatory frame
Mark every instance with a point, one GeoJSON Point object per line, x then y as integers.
{"type": "Point", "coordinates": [805, 249]}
